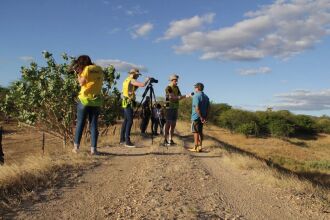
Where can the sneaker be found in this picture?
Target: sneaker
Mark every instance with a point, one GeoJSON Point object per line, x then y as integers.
{"type": "Point", "coordinates": [172, 142]}
{"type": "Point", "coordinates": [194, 149]}
{"type": "Point", "coordinates": [130, 144]}
{"type": "Point", "coordinates": [75, 150]}
{"type": "Point", "coordinates": [121, 143]}
{"type": "Point", "coordinates": [166, 143]}
{"type": "Point", "coordinates": [95, 153]}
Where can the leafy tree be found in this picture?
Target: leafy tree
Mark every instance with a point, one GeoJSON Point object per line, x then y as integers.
{"type": "Point", "coordinates": [232, 119]}
{"type": "Point", "coordinates": [46, 96]}
{"type": "Point", "coordinates": [3, 93]}
{"type": "Point", "coordinates": [304, 125]}
{"type": "Point", "coordinates": [250, 128]}
{"type": "Point", "coordinates": [280, 127]}
{"type": "Point", "coordinates": [185, 109]}
{"type": "Point", "coordinates": [323, 125]}
{"type": "Point", "coordinates": [217, 110]}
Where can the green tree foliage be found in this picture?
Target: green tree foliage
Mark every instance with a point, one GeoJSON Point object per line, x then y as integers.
{"type": "Point", "coordinates": [305, 125]}
{"type": "Point", "coordinates": [216, 110]}
{"type": "Point", "coordinates": [3, 93]}
{"type": "Point", "coordinates": [232, 119]}
{"type": "Point", "coordinates": [250, 128]}
{"type": "Point", "coordinates": [46, 96]}
{"type": "Point", "coordinates": [185, 109]}
{"type": "Point", "coordinates": [323, 125]}
{"type": "Point", "coordinates": [277, 124]}
{"type": "Point", "coordinates": [280, 127]}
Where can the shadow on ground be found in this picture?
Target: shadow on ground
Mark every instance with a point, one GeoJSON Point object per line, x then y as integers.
{"type": "Point", "coordinates": [320, 179]}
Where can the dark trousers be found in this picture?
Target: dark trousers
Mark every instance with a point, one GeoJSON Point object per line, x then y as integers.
{"type": "Point", "coordinates": [93, 114]}
{"type": "Point", "coordinates": [154, 125]}
{"type": "Point", "coordinates": [144, 123]}
{"type": "Point", "coordinates": [126, 127]}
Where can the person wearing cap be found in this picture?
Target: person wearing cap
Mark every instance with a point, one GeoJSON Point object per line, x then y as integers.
{"type": "Point", "coordinates": [173, 96]}
{"type": "Point", "coordinates": [130, 85]}
{"type": "Point", "coordinates": [200, 111]}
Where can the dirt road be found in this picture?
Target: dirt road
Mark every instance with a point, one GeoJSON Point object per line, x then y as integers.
{"type": "Point", "coordinates": [153, 182]}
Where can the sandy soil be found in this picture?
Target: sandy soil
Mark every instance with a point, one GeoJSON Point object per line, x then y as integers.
{"type": "Point", "coordinates": [153, 182]}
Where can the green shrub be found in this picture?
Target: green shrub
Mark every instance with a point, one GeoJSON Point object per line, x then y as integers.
{"type": "Point", "coordinates": [47, 95]}
{"type": "Point", "coordinates": [233, 118]}
{"type": "Point", "coordinates": [216, 110]}
{"type": "Point", "coordinates": [185, 109]}
{"type": "Point", "coordinates": [280, 128]}
{"type": "Point", "coordinates": [250, 128]}
{"type": "Point", "coordinates": [323, 125]}
{"type": "Point", "coordinates": [304, 125]}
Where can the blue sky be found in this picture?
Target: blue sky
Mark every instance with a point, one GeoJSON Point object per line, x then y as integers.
{"type": "Point", "coordinates": [249, 54]}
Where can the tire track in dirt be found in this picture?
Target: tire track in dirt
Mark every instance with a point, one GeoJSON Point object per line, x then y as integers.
{"type": "Point", "coordinates": [247, 196]}
{"type": "Point", "coordinates": [143, 183]}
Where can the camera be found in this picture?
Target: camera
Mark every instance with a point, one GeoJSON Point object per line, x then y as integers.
{"type": "Point", "coordinates": [153, 80]}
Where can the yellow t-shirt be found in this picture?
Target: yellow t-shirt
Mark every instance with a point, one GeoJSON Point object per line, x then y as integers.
{"type": "Point", "coordinates": [91, 91]}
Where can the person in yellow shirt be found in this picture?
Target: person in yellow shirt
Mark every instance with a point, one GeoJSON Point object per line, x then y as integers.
{"type": "Point", "coordinates": [90, 78]}
{"type": "Point", "coordinates": [130, 85]}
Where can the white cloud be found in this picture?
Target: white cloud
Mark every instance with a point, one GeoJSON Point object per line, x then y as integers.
{"type": "Point", "coordinates": [251, 72]}
{"type": "Point", "coordinates": [121, 66]}
{"type": "Point", "coordinates": [27, 58]}
{"type": "Point", "coordinates": [142, 30]}
{"type": "Point", "coordinates": [282, 29]}
{"type": "Point", "coordinates": [304, 100]}
{"type": "Point", "coordinates": [186, 26]}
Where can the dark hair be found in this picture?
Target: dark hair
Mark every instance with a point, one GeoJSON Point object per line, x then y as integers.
{"type": "Point", "coordinates": [81, 62]}
{"type": "Point", "coordinates": [200, 86]}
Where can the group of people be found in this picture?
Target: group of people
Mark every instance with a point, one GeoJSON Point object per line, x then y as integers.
{"type": "Point", "coordinates": [90, 79]}
{"type": "Point", "coordinates": [155, 114]}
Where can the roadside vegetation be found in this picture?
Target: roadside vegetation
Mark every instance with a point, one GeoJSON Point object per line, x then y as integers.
{"type": "Point", "coordinates": [299, 143]}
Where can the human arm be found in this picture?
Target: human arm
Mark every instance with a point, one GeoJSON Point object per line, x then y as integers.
{"type": "Point", "coordinates": [140, 84]}
{"type": "Point", "coordinates": [81, 80]}
{"type": "Point", "coordinates": [82, 77]}
{"type": "Point", "coordinates": [172, 97]}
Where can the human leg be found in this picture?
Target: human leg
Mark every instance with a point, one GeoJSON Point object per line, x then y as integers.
{"type": "Point", "coordinates": [123, 128]}
{"type": "Point", "coordinates": [129, 117]}
{"type": "Point", "coordinates": [81, 116]}
{"type": "Point", "coordinates": [93, 113]}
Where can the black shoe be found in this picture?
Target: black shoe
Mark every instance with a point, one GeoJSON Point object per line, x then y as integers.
{"type": "Point", "coordinates": [172, 142]}
{"type": "Point", "coordinates": [130, 145]}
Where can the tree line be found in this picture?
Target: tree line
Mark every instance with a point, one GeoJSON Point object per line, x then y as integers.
{"type": "Point", "coordinates": [280, 124]}
{"type": "Point", "coordinates": [45, 96]}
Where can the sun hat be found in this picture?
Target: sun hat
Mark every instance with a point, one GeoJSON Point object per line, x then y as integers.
{"type": "Point", "coordinates": [174, 76]}
{"type": "Point", "coordinates": [134, 71]}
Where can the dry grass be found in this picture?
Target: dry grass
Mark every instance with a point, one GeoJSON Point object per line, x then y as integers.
{"type": "Point", "coordinates": [259, 170]}
{"type": "Point", "coordinates": [299, 155]}
{"type": "Point", "coordinates": [19, 181]}
{"type": "Point", "coordinates": [26, 170]}
{"type": "Point", "coordinates": [261, 173]}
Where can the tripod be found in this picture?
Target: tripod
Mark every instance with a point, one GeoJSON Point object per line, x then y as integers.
{"type": "Point", "coordinates": [149, 90]}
